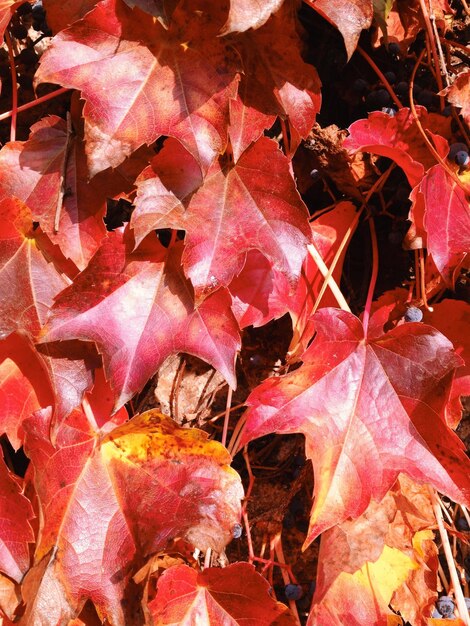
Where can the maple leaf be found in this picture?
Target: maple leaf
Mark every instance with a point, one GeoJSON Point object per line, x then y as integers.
{"type": "Point", "coordinates": [107, 503]}
{"type": "Point", "coordinates": [385, 556]}
{"type": "Point", "coordinates": [23, 388]}
{"type": "Point", "coordinates": [276, 81]}
{"type": "Point", "coordinates": [446, 221]}
{"type": "Point", "coordinates": [139, 309]}
{"type": "Point", "coordinates": [246, 14]}
{"type": "Point", "coordinates": [28, 282]}
{"type": "Point", "coordinates": [15, 529]}
{"type": "Point", "coordinates": [350, 20]}
{"type": "Point", "coordinates": [398, 138]}
{"type": "Point", "coordinates": [141, 81]}
{"type": "Point", "coordinates": [252, 205]}
{"type": "Point", "coordinates": [458, 94]}
{"type": "Point", "coordinates": [363, 404]}
{"type": "Point", "coordinates": [234, 595]}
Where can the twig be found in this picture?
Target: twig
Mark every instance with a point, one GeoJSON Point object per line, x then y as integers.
{"type": "Point", "coordinates": [459, 597]}
{"type": "Point", "coordinates": [227, 415]}
{"type": "Point", "coordinates": [14, 86]}
{"type": "Point", "coordinates": [33, 103]}
{"type": "Point", "coordinates": [380, 74]}
{"type": "Point", "coordinates": [340, 299]}
{"type": "Point", "coordinates": [373, 278]}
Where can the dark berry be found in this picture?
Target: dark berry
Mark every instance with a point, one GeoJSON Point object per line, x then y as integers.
{"type": "Point", "coordinates": [467, 603]}
{"type": "Point", "coordinates": [402, 88]}
{"type": "Point", "coordinates": [315, 175]}
{"type": "Point", "coordinates": [19, 31]}
{"type": "Point", "coordinates": [445, 606]}
{"type": "Point", "coordinates": [27, 57]}
{"type": "Point", "coordinates": [436, 614]}
{"type": "Point", "coordinates": [447, 111]}
{"type": "Point", "coordinates": [382, 97]}
{"type": "Point", "coordinates": [394, 49]}
{"type": "Point", "coordinates": [456, 147]}
{"type": "Point", "coordinates": [293, 592]}
{"type": "Point", "coordinates": [237, 531]}
{"type": "Point", "coordinates": [24, 9]}
{"type": "Point", "coordinates": [413, 314]}
{"type": "Point", "coordinates": [360, 86]}
{"type": "Point", "coordinates": [462, 158]}
{"type": "Point", "coordinates": [389, 111]}
{"type": "Point", "coordinates": [391, 77]}
{"type": "Point", "coordinates": [462, 524]}
{"type": "Point", "coordinates": [425, 97]}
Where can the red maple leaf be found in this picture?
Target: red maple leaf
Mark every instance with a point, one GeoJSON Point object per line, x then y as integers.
{"type": "Point", "coordinates": [109, 502]}
{"type": "Point", "coordinates": [141, 81]}
{"type": "Point", "coordinates": [366, 404]}
{"type": "Point", "coordinates": [234, 595]}
{"type": "Point", "coordinates": [139, 309]}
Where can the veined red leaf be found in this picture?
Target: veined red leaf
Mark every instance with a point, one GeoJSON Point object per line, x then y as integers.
{"type": "Point", "coordinates": [139, 309]}
{"type": "Point", "coordinates": [399, 139]}
{"type": "Point", "coordinates": [16, 532]}
{"type": "Point", "coordinates": [363, 404]}
{"type": "Point", "coordinates": [108, 503]}
{"type": "Point", "coordinates": [141, 81]}
{"type": "Point", "coordinates": [235, 595]}
{"type": "Point", "coordinates": [446, 221]}
{"type": "Point", "coordinates": [28, 282]}
{"type": "Point", "coordinates": [252, 205]}
{"type": "Point", "coordinates": [24, 386]}
{"type": "Point", "coordinates": [459, 94]}
{"type": "Point", "coordinates": [63, 13]}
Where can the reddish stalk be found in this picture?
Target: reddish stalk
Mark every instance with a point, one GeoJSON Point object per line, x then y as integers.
{"type": "Point", "coordinates": [33, 103]}
{"type": "Point", "coordinates": [427, 141]}
{"type": "Point", "coordinates": [422, 279]}
{"type": "Point", "coordinates": [14, 87]}
{"type": "Point", "coordinates": [286, 573]}
{"type": "Point", "coordinates": [227, 415]}
{"type": "Point", "coordinates": [380, 74]}
{"type": "Point", "coordinates": [432, 44]}
{"type": "Point", "coordinates": [373, 278]}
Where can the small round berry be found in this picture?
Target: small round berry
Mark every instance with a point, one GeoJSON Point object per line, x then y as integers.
{"type": "Point", "coordinates": [389, 111]}
{"type": "Point", "coordinates": [462, 158]}
{"type": "Point", "coordinates": [293, 592]}
{"type": "Point", "coordinates": [462, 524]}
{"type": "Point", "coordinates": [382, 97]}
{"type": "Point", "coordinates": [413, 314]}
{"type": "Point", "coordinates": [402, 88]}
{"type": "Point", "coordinates": [391, 77]}
{"type": "Point", "coordinates": [456, 147]}
{"type": "Point", "coordinates": [394, 48]}
{"type": "Point", "coordinates": [445, 606]}
{"type": "Point", "coordinates": [237, 531]}
{"type": "Point", "coordinates": [315, 175]}
{"type": "Point", "coordinates": [447, 111]}
{"type": "Point", "coordinates": [360, 86]}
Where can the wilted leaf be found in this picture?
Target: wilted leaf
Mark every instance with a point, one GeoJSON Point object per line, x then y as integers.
{"type": "Point", "coordinates": [458, 94]}
{"type": "Point", "coordinates": [364, 404]}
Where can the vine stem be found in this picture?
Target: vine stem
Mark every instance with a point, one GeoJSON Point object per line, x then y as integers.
{"type": "Point", "coordinates": [454, 576]}
{"type": "Point", "coordinates": [373, 278]}
{"type": "Point", "coordinates": [428, 143]}
{"type": "Point", "coordinates": [14, 87]}
{"type": "Point", "coordinates": [33, 103]}
{"type": "Point", "coordinates": [316, 256]}
{"type": "Point", "coordinates": [380, 74]}
{"type": "Point", "coordinates": [432, 45]}
{"type": "Point", "coordinates": [227, 415]}
{"type": "Point", "coordinates": [286, 573]}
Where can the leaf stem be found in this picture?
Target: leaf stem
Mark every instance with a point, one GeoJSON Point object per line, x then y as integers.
{"type": "Point", "coordinates": [227, 415]}
{"type": "Point", "coordinates": [459, 597]}
{"type": "Point", "coordinates": [373, 278]}
{"type": "Point", "coordinates": [340, 299]}
{"type": "Point", "coordinates": [33, 103]}
{"type": "Point", "coordinates": [14, 87]}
